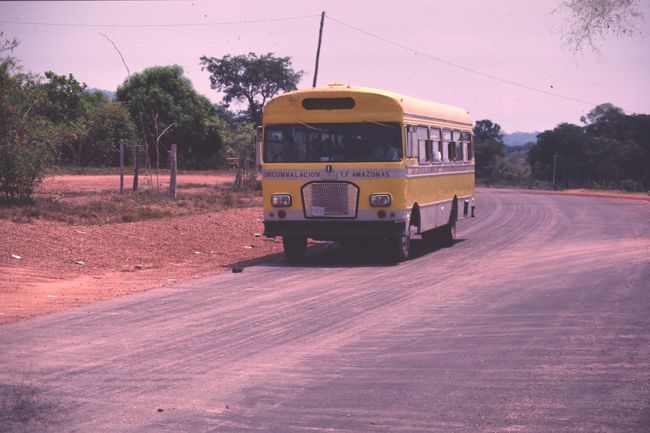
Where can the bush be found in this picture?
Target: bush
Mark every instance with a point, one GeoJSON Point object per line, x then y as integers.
{"type": "Point", "coordinates": [24, 161]}
{"type": "Point", "coordinates": [26, 139]}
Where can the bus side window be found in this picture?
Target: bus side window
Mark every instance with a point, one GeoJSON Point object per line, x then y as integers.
{"type": "Point", "coordinates": [436, 144]}
{"type": "Point", "coordinates": [467, 138]}
{"type": "Point", "coordinates": [451, 151]}
{"type": "Point", "coordinates": [458, 154]}
{"type": "Point", "coordinates": [446, 145]}
{"type": "Point", "coordinates": [424, 153]}
{"type": "Point", "coordinates": [411, 142]}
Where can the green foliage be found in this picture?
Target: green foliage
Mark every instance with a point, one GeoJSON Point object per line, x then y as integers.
{"type": "Point", "coordinates": [64, 98]}
{"type": "Point", "coordinates": [515, 170]}
{"type": "Point", "coordinates": [26, 138]}
{"type": "Point", "coordinates": [485, 130]}
{"type": "Point", "coordinates": [107, 123]}
{"type": "Point", "coordinates": [251, 79]}
{"type": "Point", "coordinates": [489, 151]}
{"type": "Point", "coordinates": [167, 109]}
{"type": "Point", "coordinates": [90, 127]}
{"type": "Point", "coordinates": [240, 141]}
{"type": "Point", "coordinates": [496, 163]}
{"type": "Point", "coordinates": [240, 144]}
{"type": "Point", "coordinates": [612, 150]}
{"type": "Point", "coordinates": [489, 159]}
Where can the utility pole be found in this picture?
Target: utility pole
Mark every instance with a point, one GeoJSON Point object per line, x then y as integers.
{"type": "Point", "coordinates": [320, 39]}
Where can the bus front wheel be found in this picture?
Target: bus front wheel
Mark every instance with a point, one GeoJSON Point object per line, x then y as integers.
{"type": "Point", "coordinates": [400, 247]}
{"type": "Point", "coordinates": [295, 247]}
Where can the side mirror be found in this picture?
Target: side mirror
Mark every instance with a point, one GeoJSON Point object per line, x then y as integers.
{"type": "Point", "coordinates": [258, 147]}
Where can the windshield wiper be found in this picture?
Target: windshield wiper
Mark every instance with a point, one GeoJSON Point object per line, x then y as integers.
{"type": "Point", "coordinates": [310, 126]}
{"type": "Point", "coordinates": [380, 124]}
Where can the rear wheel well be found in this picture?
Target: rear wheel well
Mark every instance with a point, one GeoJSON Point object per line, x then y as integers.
{"type": "Point", "coordinates": [453, 216]}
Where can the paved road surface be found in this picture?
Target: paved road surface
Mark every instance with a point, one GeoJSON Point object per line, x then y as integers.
{"type": "Point", "coordinates": [537, 320]}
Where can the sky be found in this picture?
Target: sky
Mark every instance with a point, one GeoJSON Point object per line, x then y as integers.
{"type": "Point", "coordinates": [497, 59]}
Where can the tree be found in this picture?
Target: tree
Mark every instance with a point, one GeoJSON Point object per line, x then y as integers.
{"type": "Point", "coordinates": [610, 151]}
{"type": "Point", "coordinates": [567, 141]}
{"type": "Point", "coordinates": [590, 21]}
{"type": "Point", "coordinates": [251, 79]}
{"type": "Point", "coordinates": [165, 107]}
{"type": "Point", "coordinates": [26, 138]}
{"type": "Point", "coordinates": [637, 130]}
{"type": "Point", "coordinates": [240, 144]}
{"type": "Point", "coordinates": [489, 150]}
{"type": "Point", "coordinates": [107, 124]}
{"type": "Point", "coordinates": [605, 120]}
{"type": "Point", "coordinates": [602, 112]}
{"type": "Point", "coordinates": [90, 126]}
{"type": "Point", "coordinates": [485, 130]}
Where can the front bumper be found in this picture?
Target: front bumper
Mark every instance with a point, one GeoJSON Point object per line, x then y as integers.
{"type": "Point", "coordinates": [334, 230]}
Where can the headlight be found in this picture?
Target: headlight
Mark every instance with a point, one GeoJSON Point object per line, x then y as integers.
{"type": "Point", "coordinates": [281, 200]}
{"type": "Point", "coordinates": [379, 200]}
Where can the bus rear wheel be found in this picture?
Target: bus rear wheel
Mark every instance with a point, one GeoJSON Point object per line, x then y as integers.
{"type": "Point", "coordinates": [295, 247]}
{"type": "Point", "coordinates": [449, 230]}
{"type": "Point", "coordinates": [448, 234]}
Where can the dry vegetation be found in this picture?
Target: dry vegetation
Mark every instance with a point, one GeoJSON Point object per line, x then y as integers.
{"type": "Point", "coordinates": [82, 241]}
{"type": "Point", "coordinates": [62, 201]}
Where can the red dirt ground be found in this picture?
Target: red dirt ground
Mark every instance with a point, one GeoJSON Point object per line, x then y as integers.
{"type": "Point", "coordinates": [63, 266]}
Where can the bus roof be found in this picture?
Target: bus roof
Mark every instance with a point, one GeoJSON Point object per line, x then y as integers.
{"type": "Point", "coordinates": [371, 104]}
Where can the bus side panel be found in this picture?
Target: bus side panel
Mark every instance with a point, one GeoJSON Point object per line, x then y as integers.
{"type": "Point", "coordinates": [434, 196]}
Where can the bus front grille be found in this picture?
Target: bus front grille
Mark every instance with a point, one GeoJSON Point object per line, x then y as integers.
{"type": "Point", "coordinates": [330, 200]}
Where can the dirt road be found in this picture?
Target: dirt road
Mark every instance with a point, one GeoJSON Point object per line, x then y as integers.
{"type": "Point", "coordinates": [536, 320]}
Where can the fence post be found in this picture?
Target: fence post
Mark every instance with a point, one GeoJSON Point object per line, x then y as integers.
{"type": "Point", "coordinates": [172, 175]}
{"type": "Point", "coordinates": [121, 166]}
{"type": "Point", "coordinates": [136, 166]}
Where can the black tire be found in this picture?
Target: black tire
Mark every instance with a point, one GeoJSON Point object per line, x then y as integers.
{"type": "Point", "coordinates": [448, 233]}
{"type": "Point", "coordinates": [295, 247]}
{"type": "Point", "coordinates": [430, 238]}
{"type": "Point", "coordinates": [400, 247]}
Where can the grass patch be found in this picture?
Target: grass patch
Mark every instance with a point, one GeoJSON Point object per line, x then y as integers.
{"type": "Point", "coordinates": [88, 208]}
{"type": "Point", "coordinates": [189, 185]}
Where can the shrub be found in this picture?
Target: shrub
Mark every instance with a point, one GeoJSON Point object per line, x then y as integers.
{"type": "Point", "coordinates": [24, 161]}
{"type": "Point", "coordinates": [26, 139]}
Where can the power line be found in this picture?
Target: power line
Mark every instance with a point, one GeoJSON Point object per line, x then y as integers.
{"type": "Point", "coordinates": [457, 66]}
{"type": "Point", "coordinates": [221, 23]}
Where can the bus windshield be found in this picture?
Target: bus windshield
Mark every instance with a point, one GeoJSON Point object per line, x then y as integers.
{"type": "Point", "coordinates": [335, 142]}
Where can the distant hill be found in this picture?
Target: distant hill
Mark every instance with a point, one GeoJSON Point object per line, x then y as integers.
{"type": "Point", "coordinates": [520, 138]}
{"type": "Point", "coordinates": [110, 95]}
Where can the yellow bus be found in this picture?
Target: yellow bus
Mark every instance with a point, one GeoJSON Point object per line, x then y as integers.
{"type": "Point", "coordinates": [347, 163]}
